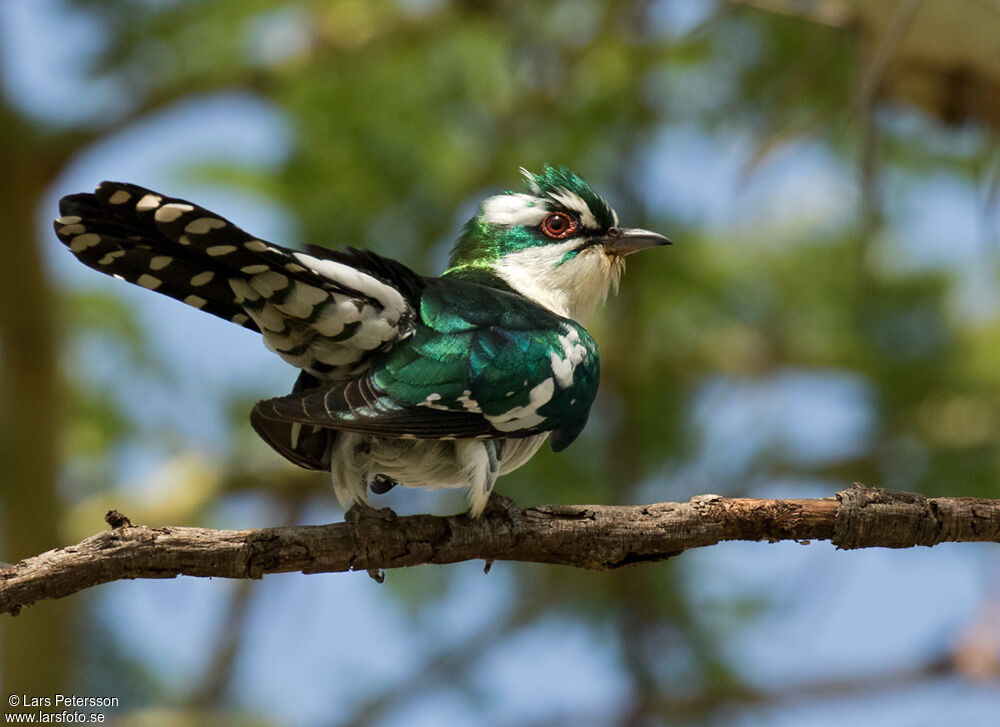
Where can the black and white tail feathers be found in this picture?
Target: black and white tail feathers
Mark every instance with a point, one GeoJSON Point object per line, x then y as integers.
{"type": "Point", "coordinates": [115, 231]}
{"type": "Point", "coordinates": [323, 311]}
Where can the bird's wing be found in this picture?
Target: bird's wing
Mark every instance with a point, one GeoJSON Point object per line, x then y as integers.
{"type": "Point", "coordinates": [323, 311]}
{"type": "Point", "coordinates": [481, 363]}
{"type": "Point", "coordinates": [308, 447]}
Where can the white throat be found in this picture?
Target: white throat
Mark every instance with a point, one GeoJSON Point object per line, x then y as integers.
{"type": "Point", "coordinates": [572, 288]}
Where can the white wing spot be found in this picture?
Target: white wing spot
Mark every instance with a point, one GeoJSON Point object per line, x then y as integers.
{"type": "Point", "coordinates": [335, 355]}
{"type": "Point", "coordinates": [196, 300]}
{"type": "Point", "coordinates": [573, 351]}
{"type": "Point", "coordinates": [269, 317]}
{"type": "Point", "coordinates": [74, 229]}
{"type": "Point", "coordinates": [111, 257]}
{"type": "Point", "coordinates": [159, 262]}
{"type": "Point", "coordinates": [429, 402]}
{"type": "Point", "coordinates": [468, 403]}
{"type": "Point", "coordinates": [243, 290]}
{"type": "Point", "coordinates": [524, 417]}
{"type": "Point", "coordinates": [120, 197]}
{"type": "Point", "coordinates": [254, 269]}
{"type": "Point", "coordinates": [255, 246]}
{"type": "Point", "coordinates": [202, 278]}
{"type": "Point", "coordinates": [267, 283]}
{"type": "Point", "coordinates": [68, 220]}
{"type": "Point", "coordinates": [372, 333]}
{"type": "Point", "coordinates": [216, 250]}
{"type": "Point", "coordinates": [148, 281]}
{"type": "Point", "coordinates": [390, 299]}
{"type": "Point", "coordinates": [82, 242]}
{"type": "Point", "coordinates": [239, 318]}
{"type": "Point", "coordinates": [149, 202]}
{"type": "Point", "coordinates": [302, 299]}
{"type": "Point", "coordinates": [204, 224]}
{"type": "Point", "coordinates": [170, 212]}
{"type": "Point", "coordinates": [335, 315]}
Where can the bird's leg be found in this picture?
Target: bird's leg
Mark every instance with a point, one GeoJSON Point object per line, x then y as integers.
{"type": "Point", "coordinates": [349, 467]}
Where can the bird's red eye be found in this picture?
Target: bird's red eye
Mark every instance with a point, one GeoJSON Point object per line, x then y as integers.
{"type": "Point", "coordinates": [558, 225]}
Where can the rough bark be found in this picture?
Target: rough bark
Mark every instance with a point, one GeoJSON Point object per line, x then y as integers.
{"type": "Point", "coordinates": [595, 537]}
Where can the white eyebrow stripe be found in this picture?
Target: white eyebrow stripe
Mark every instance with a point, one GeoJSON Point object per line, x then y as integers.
{"type": "Point", "coordinates": [573, 202]}
{"type": "Point", "coordinates": [514, 209]}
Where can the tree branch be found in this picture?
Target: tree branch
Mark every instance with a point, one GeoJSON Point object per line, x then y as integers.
{"type": "Point", "coordinates": [584, 536]}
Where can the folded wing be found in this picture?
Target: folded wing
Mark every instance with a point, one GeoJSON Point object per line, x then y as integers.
{"type": "Point", "coordinates": [481, 363]}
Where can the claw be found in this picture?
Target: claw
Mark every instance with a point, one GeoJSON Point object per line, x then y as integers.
{"type": "Point", "coordinates": [501, 506]}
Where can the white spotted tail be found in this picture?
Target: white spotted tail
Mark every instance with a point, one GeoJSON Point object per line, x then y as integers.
{"type": "Point", "coordinates": [317, 310]}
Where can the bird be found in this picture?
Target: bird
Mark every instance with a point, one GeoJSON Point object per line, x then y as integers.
{"type": "Point", "coordinates": [405, 379]}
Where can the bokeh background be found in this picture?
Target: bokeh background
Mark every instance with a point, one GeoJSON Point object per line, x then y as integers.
{"type": "Point", "coordinates": [830, 172]}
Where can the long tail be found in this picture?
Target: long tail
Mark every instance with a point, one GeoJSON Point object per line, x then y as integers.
{"type": "Point", "coordinates": [164, 244]}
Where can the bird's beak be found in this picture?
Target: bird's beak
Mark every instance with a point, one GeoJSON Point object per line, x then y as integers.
{"type": "Point", "coordinates": [623, 241]}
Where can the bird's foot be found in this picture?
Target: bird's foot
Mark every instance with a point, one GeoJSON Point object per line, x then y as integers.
{"type": "Point", "coordinates": [363, 511]}
{"type": "Point", "coordinates": [360, 517]}
{"type": "Point", "coordinates": [501, 506]}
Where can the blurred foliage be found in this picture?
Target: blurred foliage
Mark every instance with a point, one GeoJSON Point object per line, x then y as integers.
{"type": "Point", "coordinates": [403, 114]}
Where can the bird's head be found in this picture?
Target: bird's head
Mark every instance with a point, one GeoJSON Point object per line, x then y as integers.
{"type": "Point", "coordinates": [558, 243]}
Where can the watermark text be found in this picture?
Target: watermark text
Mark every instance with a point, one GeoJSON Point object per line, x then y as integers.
{"type": "Point", "coordinates": [57, 709]}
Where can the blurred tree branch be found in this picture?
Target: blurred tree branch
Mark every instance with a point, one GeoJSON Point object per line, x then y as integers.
{"type": "Point", "coordinates": [916, 60]}
{"type": "Point", "coordinates": [585, 536]}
